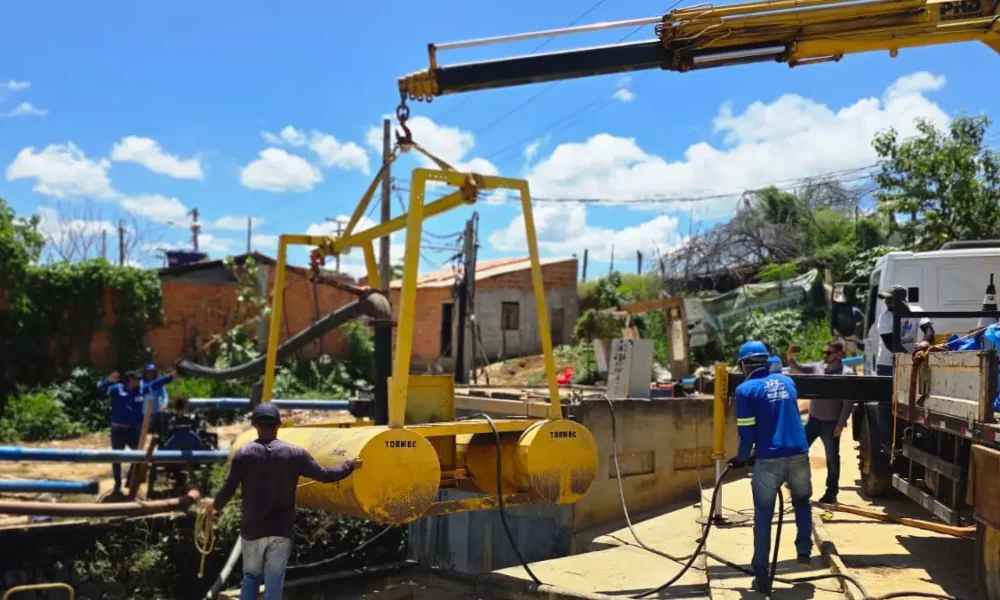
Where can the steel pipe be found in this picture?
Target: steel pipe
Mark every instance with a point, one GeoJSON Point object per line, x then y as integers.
{"type": "Point", "coordinates": [85, 455]}
{"type": "Point", "coordinates": [52, 486]}
{"type": "Point", "coordinates": [116, 509]}
{"type": "Point", "coordinates": [244, 404]}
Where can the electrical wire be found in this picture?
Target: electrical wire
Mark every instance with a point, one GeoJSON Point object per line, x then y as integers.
{"type": "Point", "coordinates": [337, 557]}
{"type": "Point", "coordinates": [700, 548]}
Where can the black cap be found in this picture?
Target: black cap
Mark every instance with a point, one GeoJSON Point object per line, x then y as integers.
{"type": "Point", "coordinates": [891, 291]}
{"type": "Point", "coordinates": [266, 414]}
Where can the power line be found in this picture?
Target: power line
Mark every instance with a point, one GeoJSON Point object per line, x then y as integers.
{"type": "Point", "coordinates": [540, 45]}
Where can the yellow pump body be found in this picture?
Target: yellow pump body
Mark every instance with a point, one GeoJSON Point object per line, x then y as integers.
{"type": "Point", "coordinates": [398, 482]}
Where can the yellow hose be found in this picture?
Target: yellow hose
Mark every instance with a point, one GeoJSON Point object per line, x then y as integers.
{"type": "Point", "coordinates": [204, 536]}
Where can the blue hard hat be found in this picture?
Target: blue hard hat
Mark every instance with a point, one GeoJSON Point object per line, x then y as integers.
{"type": "Point", "coordinates": [150, 367]}
{"type": "Point", "coordinates": [774, 363]}
{"type": "Point", "coordinates": [752, 349]}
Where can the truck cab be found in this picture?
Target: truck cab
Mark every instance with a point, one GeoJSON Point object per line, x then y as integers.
{"type": "Point", "coordinates": [951, 279]}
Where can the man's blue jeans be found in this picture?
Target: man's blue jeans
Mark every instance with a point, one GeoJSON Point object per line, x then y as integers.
{"type": "Point", "coordinates": [831, 443]}
{"type": "Point", "coordinates": [768, 475]}
{"type": "Point", "coordinates": [264, 561]}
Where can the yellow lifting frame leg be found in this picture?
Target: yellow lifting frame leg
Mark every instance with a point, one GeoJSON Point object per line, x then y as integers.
{"type": "Point", "coordinates": [469, 186]}
{"type": "Point", "coordinates": [411, 261]}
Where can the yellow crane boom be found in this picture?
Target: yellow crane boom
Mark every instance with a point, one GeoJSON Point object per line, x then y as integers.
{"type": "Point", "coordinates": [796, 32]}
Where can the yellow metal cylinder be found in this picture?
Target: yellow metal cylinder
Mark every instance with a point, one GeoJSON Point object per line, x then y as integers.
{"type": "Point", "coordinates": [551, 461]}
{"type": "Point", "coordinates": [399, 479]}
{"type": "Point", "coordinates": [719, 411]}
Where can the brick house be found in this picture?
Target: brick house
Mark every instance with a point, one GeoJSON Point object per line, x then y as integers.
{"type": "Point", "coordinates": [505, 311]}
{"type": "Point", "coordinates": [199, 300]}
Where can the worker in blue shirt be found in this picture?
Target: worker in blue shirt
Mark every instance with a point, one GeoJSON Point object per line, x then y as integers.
{"type": "Point", "coordinates": [127, 410]}
{"type": "Point", "coordinates": [157, 395]}
{"type": "Point", "coordinates": [773, 441]}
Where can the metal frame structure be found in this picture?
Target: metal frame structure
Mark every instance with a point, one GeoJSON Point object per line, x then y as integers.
{"type": "Point", "coordinates": [468, 188]}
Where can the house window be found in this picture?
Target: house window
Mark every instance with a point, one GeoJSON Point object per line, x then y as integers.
{"type": "Point", "coordinates": [510, 316]}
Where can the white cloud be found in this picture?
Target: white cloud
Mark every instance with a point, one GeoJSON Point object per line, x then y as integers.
{"type": "Point", "coordinates": [62, 170]}
{"type": "Point", "coordinates": [563, 229]}
{"type": "Point", "coordinates": [789, 138]}
{"type": "Point", "coordinates": [265, 241]}
{"type": "Point", "coordinates": [148, 153]}
{"type": "Point", "coordinates": [332, 153]}
{"type": "Point", "coordinates": [624, 92]}
{"type": "Point", "coordinates": [15, 86]}
{"type": "Point", "coordinates": [288, 135]}
{"type": "Point", "coordinates": [26, 109]}
{"type": "Point", "coordinates": [531, 150]}
{"type": "Point", "coordinates": [450, 144]}
{"type": "Point", "coordinates": [231, 223]}
{"type": "Point", "coordinates": [156, 208]}
{"type": "Point", "coordinates": [278, 171]}
{"type": "Point", "coordinates": [209, 243]}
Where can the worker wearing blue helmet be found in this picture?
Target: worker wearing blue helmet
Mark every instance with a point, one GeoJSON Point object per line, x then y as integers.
{"type": "Point", "coordinates": [157, 394]}
{"type": "Point", "coordinates": [773, 440]}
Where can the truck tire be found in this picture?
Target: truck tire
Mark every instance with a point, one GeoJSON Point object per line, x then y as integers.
{"type": "Point", "coordinates": [876, 472]}
{"type": "Point", "coordinates": [988, 561]}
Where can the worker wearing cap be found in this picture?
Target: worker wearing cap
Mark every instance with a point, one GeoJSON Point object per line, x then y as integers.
{"type": "Point", "coordinates": [907, 332]}
{"type": "Point", "coordinates": [159, 394]}
{"type": "Point", "coordinates": [269, 470]}
{"type": "Point", "coordinates": [127, 409]}
{"type": "Point", "coordinates": [773, 441]}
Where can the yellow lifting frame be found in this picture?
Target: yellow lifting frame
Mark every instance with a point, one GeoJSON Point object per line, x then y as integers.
{"type": "Point", "coordinates": [469, 185]}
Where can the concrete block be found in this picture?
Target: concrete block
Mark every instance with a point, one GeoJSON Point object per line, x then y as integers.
{"type": "Point", "coordinates": [630, 368]}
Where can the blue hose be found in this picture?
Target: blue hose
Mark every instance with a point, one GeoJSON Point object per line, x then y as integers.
{"type": "Point", "coordinates": [84, 455]}
{"type": "Point", "coordinates": [51, 486]}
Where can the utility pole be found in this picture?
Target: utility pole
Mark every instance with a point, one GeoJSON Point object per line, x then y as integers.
{"type": "Point", "coordinates": [383, 329]}
{"type": "Point", "coordinates": [468, 276]}
{"type": "Point", "coordinates": [249, 233]}
{"type": "Point", "coordinates": [611, 267]}
{"type": "Point", "coordinates": [104, 245]}
{"type": "Point", "coordinates": [121, 242]}
{"type": "Point", "coordinates": [195, 228]}
{"type": "Point", "coordinates": [585, 265]}
{"type": "Point", "coordinates": [340, 230]}
{"type": "Point", "coordinates": [639, 257]}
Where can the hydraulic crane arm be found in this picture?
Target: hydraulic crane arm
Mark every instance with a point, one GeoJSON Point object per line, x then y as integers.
{"type": "Point", "coordinates": [796, 32]}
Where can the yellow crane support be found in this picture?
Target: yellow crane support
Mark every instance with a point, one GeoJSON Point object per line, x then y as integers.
{"type": "Point", "coordinates": [795, 32]}
{"type": "Point", "coordinates": [424, 447]}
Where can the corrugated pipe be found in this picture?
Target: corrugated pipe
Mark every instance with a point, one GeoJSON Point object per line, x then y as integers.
{"type": "Point", "coordinates": [374, 305]}
{"type": "Point", "coordinates": [116, 509]}
{"type": "Point", "coordinates": [86, 455]}
{"type": "Point", "coordinates": [51, 486]}
{"type": "Point", "coordinates": [244, 404]}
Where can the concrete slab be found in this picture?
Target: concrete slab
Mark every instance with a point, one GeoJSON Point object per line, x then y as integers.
{"type": "Point", "coordinates": [626, 569]}
{"type": "Point", "coordinates": [735, 543]}
{"type": "Point", "coordinates": [887, 557]}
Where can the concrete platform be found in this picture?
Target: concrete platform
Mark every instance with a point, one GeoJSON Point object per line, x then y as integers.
{"type": "Point", "coordinates": [624, 569]}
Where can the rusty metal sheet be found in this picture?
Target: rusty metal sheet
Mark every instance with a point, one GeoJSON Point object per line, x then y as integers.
{"type": "Point", "coordinates": [984, 484]}
{"type": "Point", "coordinates": [953, 384]}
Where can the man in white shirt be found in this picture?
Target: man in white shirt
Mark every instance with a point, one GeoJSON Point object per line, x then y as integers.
{"type": "Point", "coordinates": [907, 333]}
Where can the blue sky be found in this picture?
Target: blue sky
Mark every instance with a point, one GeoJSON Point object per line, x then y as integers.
{"type": "Point", "coordinates": [138, 111]}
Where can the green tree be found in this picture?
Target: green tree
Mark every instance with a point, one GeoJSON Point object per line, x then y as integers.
{"type": "Point", "coordinates": [20, 247]}
{"type": "Point", "coordinates": [939, 185]}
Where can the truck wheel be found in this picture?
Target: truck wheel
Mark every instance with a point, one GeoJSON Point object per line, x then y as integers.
{"type": "Point", "coordinates": [988, 561]}
{"type": "Point", "coordinates": [876, 472]}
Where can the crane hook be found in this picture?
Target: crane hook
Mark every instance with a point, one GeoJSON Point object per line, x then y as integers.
{"type": "Point", "coordinates": [404, 140]}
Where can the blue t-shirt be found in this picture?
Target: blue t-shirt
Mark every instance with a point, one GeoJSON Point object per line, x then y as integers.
{"type": "Point", "coordinates": [767, 416]}
{"type": "Point", "coordinates": [128, 406]}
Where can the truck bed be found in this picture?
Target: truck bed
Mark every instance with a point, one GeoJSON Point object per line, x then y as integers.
{"type": "Point", "coordinates": [952, 392]}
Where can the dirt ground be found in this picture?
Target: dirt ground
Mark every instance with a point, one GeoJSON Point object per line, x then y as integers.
{"type": "Point", "coordinates": [529, 370]}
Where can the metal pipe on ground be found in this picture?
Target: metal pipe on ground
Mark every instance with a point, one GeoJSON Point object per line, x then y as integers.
{"type": "Point", "coordinates": [47, 486]}
{"type": "Point", "coordinates": [118, 509]}
{"type": "Point", "coordinates": [86, 455]}
{"type": "Point", "coordinates": [244, 404]}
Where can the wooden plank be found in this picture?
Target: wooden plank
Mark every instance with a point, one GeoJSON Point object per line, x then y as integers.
{"type": "Point", "coordinates": [984, 484]}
